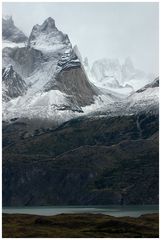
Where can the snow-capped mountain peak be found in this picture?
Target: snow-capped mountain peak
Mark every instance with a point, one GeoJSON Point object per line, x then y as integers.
{"type": "Point", "coordinates": [48, 25]}
{"type": "Point", "coordinates": [122, 78]}
{"type": "Point", "coordinates": [105, 68]}
{"type": "Point", "coordinates": [47, 37]}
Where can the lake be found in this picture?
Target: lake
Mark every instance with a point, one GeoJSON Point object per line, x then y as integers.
{"type": "Point", "coordinates": [113, 210]}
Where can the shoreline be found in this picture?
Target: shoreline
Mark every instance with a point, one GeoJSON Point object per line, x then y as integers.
{"type": "Point", "coordinates": [112, 210]}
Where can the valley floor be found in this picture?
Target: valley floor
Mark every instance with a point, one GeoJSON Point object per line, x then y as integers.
{"type": "Point", "coordinates": [79, 226]}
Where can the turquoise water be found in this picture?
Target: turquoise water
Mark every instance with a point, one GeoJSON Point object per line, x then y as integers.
{"type": "Point", "coordinates": [113, 210]}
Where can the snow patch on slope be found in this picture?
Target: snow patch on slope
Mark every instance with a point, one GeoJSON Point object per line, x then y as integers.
{"type": "Point", "coordinates": [43, 105]}
{"type": "Point", "coordinates": [148, 97]}
{"type": "Point", "coordinates": [12, 44]}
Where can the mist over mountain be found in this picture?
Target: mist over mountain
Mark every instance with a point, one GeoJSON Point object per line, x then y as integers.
{"type": "Point", "coordinates": [110, 30]}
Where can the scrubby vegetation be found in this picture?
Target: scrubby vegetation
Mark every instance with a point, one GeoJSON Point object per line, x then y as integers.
{"type": "Point", "coordinates": [80, 226]}
{"type": "Point", "coordinates": [83, 162]}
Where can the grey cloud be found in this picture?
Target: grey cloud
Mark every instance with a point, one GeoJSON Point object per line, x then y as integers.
{"type": "Point", "coordinates": [111, 30]}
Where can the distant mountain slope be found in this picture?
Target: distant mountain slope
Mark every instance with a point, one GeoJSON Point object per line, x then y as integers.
{"type": "Point", "coordinates": [122, 78]}
{"type": "Point", "coordinates": [146, 98]}
{"type": "Point", "coordinates": [10, 33]}
{"type": "Point", "coordinates": [153, 84]}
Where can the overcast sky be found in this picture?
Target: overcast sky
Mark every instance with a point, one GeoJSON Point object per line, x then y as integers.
{"type": "Point", "coordinates": [100, 30]}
